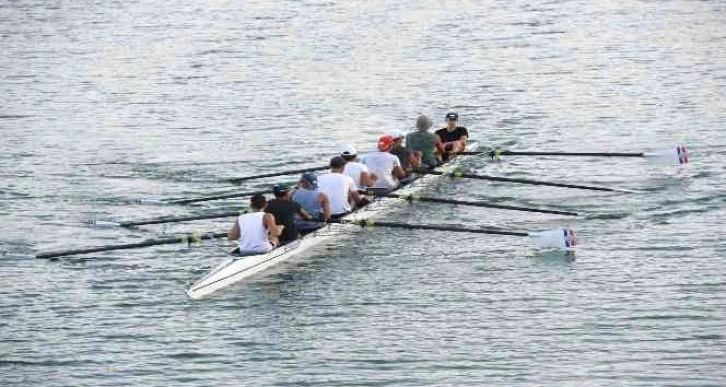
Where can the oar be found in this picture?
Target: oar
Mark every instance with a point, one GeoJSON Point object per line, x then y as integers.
{"type": "Point", "coordinates": [237, 180]}
{"type": "Point", "coordinates": [457, 174]}
{"type": "Point", "coordinates": [558, 238]}
{"type": "Point", "coordinates": [187, 239]}
{"type": "Point", "coordinates": [415, 198]}
{"type": "Point", "coordinates": [216, 196]}
{"type": "Point", "coordinates": [679, 154]}
{"type": "Point", "coordinates": [166, 219]}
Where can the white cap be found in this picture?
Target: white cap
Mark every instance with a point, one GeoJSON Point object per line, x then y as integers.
{"type": "Point", "coordinates": [395, 134]}
{"type": "Point", "coordinates": [348, 150]}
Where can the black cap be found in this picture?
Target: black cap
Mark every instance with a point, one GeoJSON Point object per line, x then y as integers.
{"type": "Point", "coordinates": [452, 117]}
{"type": "Point", "coordinates": [280, 189]}
{"type": "Point", "coordinates": [337, 162]}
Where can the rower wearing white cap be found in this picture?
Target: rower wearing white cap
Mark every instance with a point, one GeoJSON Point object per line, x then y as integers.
{"type": "Point", "coordinates": [358, 171]}
{"type": "Point", "coordinates": [409, 159]}
{"type": "Point", "coordinates": [384, 164]}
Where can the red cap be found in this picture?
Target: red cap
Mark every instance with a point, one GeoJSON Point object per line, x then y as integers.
{"type": "Point", "coordinates": [384, 142]}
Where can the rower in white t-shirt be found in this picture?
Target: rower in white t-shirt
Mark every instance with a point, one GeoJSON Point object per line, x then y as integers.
{"type": "Point", "coordinates": [358, 171]}
{"type": "Point", "coordinates": [386, 166]}
{"type": "Point", "coordinates": [340, 189]}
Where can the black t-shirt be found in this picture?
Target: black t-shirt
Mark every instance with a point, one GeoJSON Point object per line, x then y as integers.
{"type": "Point", "coordinates": [454, 135]}
{"type": "Point", "coordinates": [284, 212]}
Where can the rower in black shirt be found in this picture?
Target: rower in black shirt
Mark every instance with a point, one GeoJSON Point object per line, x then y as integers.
{"type": "Point", "coordinates": [452, 136]}
{"type": "Point", "coordinates": [284, 210]}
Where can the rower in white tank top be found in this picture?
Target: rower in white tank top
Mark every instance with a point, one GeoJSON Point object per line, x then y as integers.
{"type": "Point", "coordinates": [255, 232]}
{"type": "Point", "coordinates": [254, 237]}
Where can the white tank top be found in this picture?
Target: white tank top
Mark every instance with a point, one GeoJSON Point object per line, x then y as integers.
{"type": "Point", "coordinates": [254, 237]}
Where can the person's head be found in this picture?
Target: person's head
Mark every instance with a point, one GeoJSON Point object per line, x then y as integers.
{"type": "Point", "coordinates": [397, 136]}
{"type": "Point", "coordinates": [423, 123]}
{"type": "Point", "coordinates": [308, 180]}
{"type": "Point", "coordinates": [337, 163]}
{"type": "Point", "coordinates": [281, 191]}
{"type": "Point", "coordinates": [258, 202]}
{"type": "Point", "coordinates": [451, 120]}
{"type": "Point", "coordinates": [385, 143]}
{"type": "Point", "coordinates": [348, 153]}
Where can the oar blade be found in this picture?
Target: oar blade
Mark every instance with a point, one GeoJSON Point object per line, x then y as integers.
{"type": "Point", "coordinates": [678, 156]}
{"type": "Point", "coordinates": [559, 238]}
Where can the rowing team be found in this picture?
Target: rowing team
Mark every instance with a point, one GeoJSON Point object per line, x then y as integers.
{"type": "Point", "coordinates": [335, 194]}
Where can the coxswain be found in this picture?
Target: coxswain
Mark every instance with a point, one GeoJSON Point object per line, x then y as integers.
{"type": "Point", "coordinates": [255, 232]}
{"type": "Point", "coordinates": [425, 142]}
{"type": "Point", "coordinates": [286, 211]}
{"type": "Point", "coordinates": [452, 136]}
{"type": "Point", "coordinates": [358, 171]}
{"type": "Point", "coordinates": [385, 165]}
{"type": "Point", "coordinates": [340, 189]}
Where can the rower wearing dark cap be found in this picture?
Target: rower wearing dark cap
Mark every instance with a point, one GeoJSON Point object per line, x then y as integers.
{"type": "Point", "coordinates": [311, 199]}
{"type": "Point", "coordinates": [339, 188]}
{"type": "Point", "coordinates": [285, 209]}
{"type": "Point", "coordinates": [453, 136]}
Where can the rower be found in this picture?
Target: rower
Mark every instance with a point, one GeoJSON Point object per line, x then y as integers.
{"type": "Point", "coordinates": [285, 210]}
{"type": "Point", "coordinates": [358, 171]}
{"type": "Point", "coordinates": [425, 142]}
{"type": "Point", "coordinates": [256, 231]}
{"type": "Point", "coordinates": [385, 165]}
{"type": "Point", "coordinates": [452, 136]}
{"type": "Point", "coordinates": [340, 189]}
{"type": "Point", "coordinates": [313, 202]}
{"type": "Point", "coordinates": [409, 159]}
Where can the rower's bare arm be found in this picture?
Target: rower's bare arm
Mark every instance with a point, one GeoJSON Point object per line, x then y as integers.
{"type": "Point", "coordinates": [463, 140]}
{"type": "Point", "coordinates": [304, 214]}
{"type": "Point", "coordinates": [273, 228]}
{"type": "Point", "coordinates": [415, 159]}
{"type": "Point", "coordinates": [439, 145]}
{"type": "Point", "coordinates": [233, 233]}
{"type": "Point", "coordinates": [325, 203]}
{"type": "Point", "coordinates": [355, 196]}
{"type": "Point", "coordinates": [368, 179]}
{"type": "Point", "coordinates": [399, 172]}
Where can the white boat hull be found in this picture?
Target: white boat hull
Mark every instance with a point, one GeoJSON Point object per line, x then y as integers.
{"type": "Point", "coordinates": [236, 269]}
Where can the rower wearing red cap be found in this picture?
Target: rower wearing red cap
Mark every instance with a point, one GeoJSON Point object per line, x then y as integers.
{"type": "Point", "coordinates": [384, 165]}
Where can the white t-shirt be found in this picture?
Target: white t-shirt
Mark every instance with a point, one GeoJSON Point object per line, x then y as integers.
{"type": "Point", "coordinates": [382, 164]}
{"type": "Point", "coordinates": [337, 187]}
{"type": "Point", "coordinates": [354, 169]}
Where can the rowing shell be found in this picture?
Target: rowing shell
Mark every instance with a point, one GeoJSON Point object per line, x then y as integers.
{"type": "Point", "coordinates": [236, 269]}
